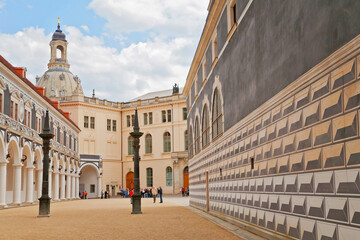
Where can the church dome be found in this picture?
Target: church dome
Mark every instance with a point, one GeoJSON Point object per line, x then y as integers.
{"type": "Point", "coordinates": [59, 35]}
{"type": "Point", "coordinates": [59, 83]}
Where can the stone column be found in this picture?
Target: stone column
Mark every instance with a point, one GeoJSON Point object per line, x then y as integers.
{"type": "Point", "coordinates": [30, 185]}
{"type": "Point", "coordinates": [50, 184]}
{"type": "Point", "coordinates": [72, 187]}
{"type": "Point", "coordinates": [3, 184]}
{"type": "Point", "coordinates": [39, 189]}
{"type": "Point", "coordinates": [77, 187]}
{"type": "Point", "coordinates": [62, 188]}
{"type": "Point", "coordinates": [68, 186]}
{"type": "Point", "coordinates": [99, 187]}
{"type": "Point", "coordinates": [17, 184]}
{"type": "Point", "coordinates": [56, 186]}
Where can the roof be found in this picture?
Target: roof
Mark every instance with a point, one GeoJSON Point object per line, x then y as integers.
{"type": "Point", "coordinates": [25, 80]}
{"type": "Point", "coordinates": [151, 95]}
{"type": "Point", "coordinates": [59, 35]}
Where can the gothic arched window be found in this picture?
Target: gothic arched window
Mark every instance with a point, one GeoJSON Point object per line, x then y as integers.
{"type": "Point", "coordinates": [217, 114]}
{"type": "Point", "coordinates": [205, 127]}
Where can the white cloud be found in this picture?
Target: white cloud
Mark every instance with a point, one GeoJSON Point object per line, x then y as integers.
{"type": "Point", "coordinates": [167, 17]}
{"type": "Point", "coordinates": [116, 75]}
{"type": "Point", "coordinates": [85, 28]}
{"type": "Point", "coordinates": [2, 4]}
{"type": "Point", "coordinates": [120, 74]}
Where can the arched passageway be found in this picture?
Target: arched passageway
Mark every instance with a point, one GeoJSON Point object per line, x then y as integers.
{"type": "Point", "coordinates": [89, 181]}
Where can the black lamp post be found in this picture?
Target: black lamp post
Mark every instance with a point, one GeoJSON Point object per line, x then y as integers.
{"type": "Point", "coordinates": [46, 135]}
{"type": "Point", "coordinates": [136, 197]}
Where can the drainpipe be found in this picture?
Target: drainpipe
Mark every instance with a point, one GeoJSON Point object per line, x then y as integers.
{"type": "Point", "coordinates": [121, 153]}
{"type": "Point", "coordinates": [173, 145]}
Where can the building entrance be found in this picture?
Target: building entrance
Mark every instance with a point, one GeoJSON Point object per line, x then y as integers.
{"type": "Point", "coordinates": [186, 177]}
{"type": "Point", "coordinates": [130, 180]}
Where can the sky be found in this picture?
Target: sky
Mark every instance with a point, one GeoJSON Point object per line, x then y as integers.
{"type": "Point", "coordinates": [120, 48]}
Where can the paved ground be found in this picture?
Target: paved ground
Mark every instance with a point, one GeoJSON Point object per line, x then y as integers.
{"type": "Point", "coordinates": [110, 219]}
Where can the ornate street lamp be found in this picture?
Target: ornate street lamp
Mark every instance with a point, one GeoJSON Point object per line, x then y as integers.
{"type": "Point", "coordinates": [136, 197]}
{"type": "Point", "coordinates": [46, 135]}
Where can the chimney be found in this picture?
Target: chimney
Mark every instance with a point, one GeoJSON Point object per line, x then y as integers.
{"type": "Point", "coordinates": [21, 71]}
{"type": "Point", "coordinates": [56, 103]}
{"type": "Point", "coordinates": [41, 90]}
{"type": "Point", "coordinates": [67, 114]}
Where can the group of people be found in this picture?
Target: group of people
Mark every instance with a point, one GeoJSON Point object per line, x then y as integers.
{"type": "Point", "coordinates": [184, 192]}
{"type": "Point", "coordinates": [83, 195]}
{"type": "Point", "coordinates": [152, 193]}
{"type": "Point", "coordinates": [105, 194]}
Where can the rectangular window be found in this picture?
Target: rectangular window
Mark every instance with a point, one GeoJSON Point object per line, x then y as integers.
{"type": "Point", "coordinates": [168, 176]}
{"type": "Point", "coordinates": [16, 111]}
{"type": "Point", "coordinates": [169, 115]}
{"type": "Point", "coordinates": [145, 118]}
{"type": "Point", "coordinates": [132, 120]}
{"type": "Point", "coordinates": [215, 48]}
{"type": "Point", "coordinates": [204, 70]}
{"type": "Point", "coordinates": [163, 116]}
{"type": "Point", "coordinates": [107, 187]}
{"type": "Point", "coordinates": [86, 122]}
{"type": "Point", "coordinates": [233, 14]}
{"type": "Point", "coordinates": [150, 118]}
{"type": "Point", "coordinates": [128, 120]}
{"type": "Point", "coordinates": [29, 119]}
{"type": "Point", "coordinates": [92, 188]}
{"type": "Point", "coordinates": [12, 109]}
{"type": "Point", "coordinates": [38, 124]}
{"type": "Point", "coordinates": [149, 177]}
{"type": "Point", "coordinates": [108, 124]}
{"type": "Point", "coordinates": [25, 118]}
{"type": "Point", "coordinates": [114, 126]}
{"type": "Point", "coordinates": [184, 113]}
{"type": "Point", "coordinates": [1, 101]}
{"type": "Point", "coordinates": [92, 122]}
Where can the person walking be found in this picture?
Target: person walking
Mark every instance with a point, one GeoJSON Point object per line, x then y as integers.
{"type": "Point", "coordinates": [160, 194]}
{"type": "Point", "coordinates": [153, 191]}
{"type": "Point", "coordinates": [85, 193]}
{"type": "Point", "coordinates": [106, 194]}
{"type": "Point", "coordinates": [131, 194]}
{"type": "Point", "coordinates": [102, 194]}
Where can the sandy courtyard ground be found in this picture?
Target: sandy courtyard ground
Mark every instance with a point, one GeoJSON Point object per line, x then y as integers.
{"type": "Point", "coordinates": [109, 219]}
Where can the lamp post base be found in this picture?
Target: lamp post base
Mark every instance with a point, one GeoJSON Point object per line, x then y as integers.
{"type": "Point", "coordinates": [136, 204]}
{"type": "Point", "coordinates": [44, 207]}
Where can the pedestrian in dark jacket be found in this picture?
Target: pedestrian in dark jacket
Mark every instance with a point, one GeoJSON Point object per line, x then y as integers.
{"type": "Point", "coordinates": [160, 194]}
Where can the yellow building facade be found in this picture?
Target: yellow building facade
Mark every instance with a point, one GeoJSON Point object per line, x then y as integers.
{"type": "Point", "coordinates": [105, 143]}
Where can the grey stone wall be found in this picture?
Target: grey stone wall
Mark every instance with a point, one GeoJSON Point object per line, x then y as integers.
{"type": "Point", "coordinates": [305, 146]}
{"type": "Point", "coordinates": [277, 42]}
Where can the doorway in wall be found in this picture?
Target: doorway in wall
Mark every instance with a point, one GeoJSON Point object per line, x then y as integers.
{"type": "Point", "coordinates": [130, 180]}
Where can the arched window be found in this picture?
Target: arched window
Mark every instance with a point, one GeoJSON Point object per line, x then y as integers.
{"type": "Point", "coordinates": [167, 142]}
{"type": "Point", "coordinates": [216, 115]}
{"type": "Point", "coordinates": [191, 142]}
{"type": "Point", "coordinates": [148, 143]}
{"type": "Point", "coordinates": [168, 176]}
{"type": "Point", "coordinates": [130, 145]}
{"type": "Point", "coordinates": [197, 136]}
{"type": "Point", "coordinates": [186, 140]}
{"type": "Point", "coordinates": [205, 127]}
{"type": "Point", "coordinates": [149, 177]}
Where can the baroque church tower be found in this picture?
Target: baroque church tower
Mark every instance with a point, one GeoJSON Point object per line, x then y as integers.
{"type": "Point", "coordinates": [58, 81]}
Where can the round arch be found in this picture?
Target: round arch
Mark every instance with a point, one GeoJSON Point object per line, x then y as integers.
{"type": "Point", "coordinates": [89, 174]}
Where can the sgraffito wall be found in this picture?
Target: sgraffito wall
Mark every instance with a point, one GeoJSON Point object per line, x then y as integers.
{"type": "Point", "coordinates": [288, 161]}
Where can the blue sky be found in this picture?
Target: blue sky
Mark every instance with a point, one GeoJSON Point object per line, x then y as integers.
{"type": "Point", "coordinates": [122, 48]}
